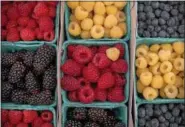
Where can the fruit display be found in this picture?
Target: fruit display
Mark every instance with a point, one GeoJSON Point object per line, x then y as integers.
{"type": "Point", "coordinates": [160, 70]}
{"type": "Point", "coordinates": [95, 73]}
{"type": "Point", "coordinates": [26, 118]}
{"type": "Point", "coordinates": [28, 21]}
{"type": "Point", "coordinates": [29, 77]}
{"type": "Point", "coordinates": [97, 19]}
{"type": "Point", "coordinates": [92, 117]}
{"type": "Point", "coordinates": [163, 19]}
{"type": "Point", "coordinates": [161, 115]}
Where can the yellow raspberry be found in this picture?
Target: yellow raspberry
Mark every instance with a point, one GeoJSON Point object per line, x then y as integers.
{"type": "Point", "coordinates": [89, 6]}
{"type": "Point", "coordinates": [166, 47]}
{"type": "Point", "coordinates": [81, 13]}
{"type": "Point", "coordinates": [178, 82]}
{"type": "Point", "coordinates": [111, 10]}
{"type": "Point", "coordinates": [86, 24]}
{"type": "Point", "coordinates": [139, 71]}
{"type": "Point", "coordinates": [155, 69]}
{"type": "Point", "coordinates": [164, 55]}
{"type": "Point", "coordinates": [98, 19]}
{"type": "Point", "coordinates": [180, 93]}
{"type": "Point", "coordinates": [120, 5]}
{"type": "Point", "coordinates": [150, 93]}
{"type": "Point", "coordinates": [72, 4]}
{"type": "Point", "coordinates": [110, 21]}
{"type": "Point", "coordinates": [73, 18]}
{"type": "Point", "coordinates": [123, 27]}
{"type": "Point", "coordinates": [140, 87]}
{"type": "Point", "coordinates": [152, 58]}
{"type": "Point", "coordinates": [90, 15]}
{"type": "Point", "coordinates": [178, 47]}
{"type": "Point", "coordinates": [157, 81]}
{"type": "Point", "coordinates": [165, 67]}
{"type": "Point", "coordinates": [116, 32]}
{"type": "Point", "coordinates": [183, 82]}
{"type": "Point", "coordinates": [97, 31]}
{"type": "Point", "coordinates": [181, 74]}
{"type": "Point", "coordinates": [85, 34]}
{"type": "Point", "coordinates": [141, 52]}
{"type": "Point", "coordinates": [175, 71]}
{"type": "Point", "coordinates": [113, 53]}
{"type": "Point", "coordinates": [178, 64]}
{"type": "Point", "coordinates": [108, 3]}
{"type": "Point", "coordinates": [146, 78]}
{"type": "Point", "coordinates": [74, 29]}
{"type": "Point", "coordinates": [155, 48]}
{"type": "Point", "coordinates": [107, 32]}
{"type": "Point", "coordinates": [99, 8]}
{"type": "Point", "coordinates": [141, 62]}
{"type": "Point", "coordinates": [143, 46]}
{"type": "Point", "coordinates": [170, 91]}
{"type": "Point", "coordinates": [170, 78]}
{"type": "Point", "coordinates": [162, 93]}
{"type": "Point", "coordinates": [174, 55]}
{"type": "Point", "coordinates": [120, 15]}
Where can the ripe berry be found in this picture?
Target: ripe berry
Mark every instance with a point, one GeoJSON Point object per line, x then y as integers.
{"type": "Point", "coordinates": [49, 36]}
{"type": "Point", "coordinates": [4, 115]}
{"type": "Point", "coordinates": [120, 66]}
{"type": "Point", "coordinates": [100, 94]}
{"type": "Point", "coordinates": [41, 9]}
{"type": "Point", "coordinates": [37, 122]}
{"type": "Point", "coordinates": [29, 115]}
{"type": "Point", "coordinates": [15, 116]}
{"type": "Point", "coordinates": [86, 95]}
{"type": "Point", "coordinates": [47, 125]}
{"type": "Point", "coordinates": [106, 80]}
{"type": "Point", "coordinates": [101, 61]}
{"type": "Point", "coordinates": [22, 125]}
{"type": "Point", "coordinates": [27, 34]}
{"type": "Point", "coordinates": [116, 94]}
{"type": "Point", "coordinates": [13, 35]}
{"type": "Point", "coordinates": [46, 24]}
{"type": "Point", "coordinates": [69, 83]}
{"type": "Point", "coordinates": [73, 96]}
{"type": "Point", "coordinates": [47, 116]}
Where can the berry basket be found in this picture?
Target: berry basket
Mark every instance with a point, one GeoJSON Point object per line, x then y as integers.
{"type": "Point", "coordinates": [37, 108]}
{"type": "Point", "coordinates": [150, 41]}
{"type": "Point", "coordinates": [128, 22]}
{"type": "Point", "coordinates": [11, 47]}
{"type": "Point", "coordinates": [97, 43]}
{"type": "Point", "coordinates": [54, 41]}
{"type": "Point", "coordinates": [120, 111]}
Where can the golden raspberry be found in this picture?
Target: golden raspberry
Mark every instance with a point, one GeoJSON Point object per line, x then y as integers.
{"type": "Point", "coordinates": [181, 74]}
{"type": "Point", "coordinates": [108, 3]}
{"type": "Point", "coordinates": [120, 5]}
{"type": "Point", "coordinates": [74, 29]}
{"type": "Point", "coordinates": [143, 46]}
{"type": "Point", "coordinates": [165, 67]}
{"type": "Point", "coordinates": [110, 21]}
{"type": "Point", "coordinates": [150, 93]}
{"type": "Point", "coordinates": [180, 93]}
{"type": "Point", "coordinates": [120, 15]}
{"type": "Point", "coordinates": [155, 69]}
{"type": "Point", "coordinates": [81, 13]}
{"type": "Point", "coordinates": [140, 87]}
{"type": "Point", "coordinates": [97, 31]}
{"type": "Point", "coordinates": [175, 71]}
{"type": "Point", "coordinates": [152, 58]}
{"type": "Point", "coordinates": [99, 8]}
{"type": "Point", "coordinates": [155, 48]}
{"type": "Point", "coordinates": [86, 24]}
{"type": "Point", "coordinates": [85, 34]}
{"type": "Point", "coordinates": [113, 53]}
{"type": "Point", "coordinates": [178, 64]}
{"type": "Point", "coordinates": [89, 6]}
{"type": "Point", "coordinates": [170, 78]}
{"type": "Point", "coordinates": [178, 47]}
{"type": "Point", "coordinates": [73, 18]}
{"type": "Point", "coordinates": [162, 93]}
{"type": "Point", "coordinates": [157, 81]}
{"type": "Point", "coordinates": [116, 32]}
{"type": "Point", "coordinates": [141, 52]}
{"type": "Point", "coordinates": [167, 47]}
{"type": "Point", "coordinates": [146, 78]}
{"type": "Point", "coordinates": [174, 55]}
{"type": "Point", "coordinates": [107, 32]}
{"type": "Point", "coordinates": [139, 71]}
{"type": "Point", "coordinates": [178, 82]}
{"type": "Point", "coordinates": [183, 82]}
{"type": "Point", "coordinates": [164, 55]}
{"type": "Point", "coordinates": [170, 91]}
{"type": "Point", "coordinates": [141, 62]}
{"type": "Point", "coordinates": [123, 27]}
{"type": "Point", "coordinates": [72, 4]}
{"type": "Point", "coordinates": [90, 15]}
{"type": "Point", "coordinates": [111, 10]}
{"type": "Point", "coordinates": [98, 19]}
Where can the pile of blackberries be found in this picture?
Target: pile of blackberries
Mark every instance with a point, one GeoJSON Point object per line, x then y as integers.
{"type": "Point", "coordinates": [161, 19]}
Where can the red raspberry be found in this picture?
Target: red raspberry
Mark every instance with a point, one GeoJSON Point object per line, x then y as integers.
{"type": "Point", "coordinates": [7, 124]}
{"type": "Point", "coordinates": [47, 125]}
{"type": "Point", "coordinates": [27, 34]}
{"type": "Point", "coordinates": [100, 60]}
{"type": "Point", "coordinates": [121, 49]}
{"type": "Point", "coordinates": [91, 73]}
{"type": "Point", "coordinates": [32, 4]}
{"type": "Point", "coordinates": [4, 115]}
{"type": "Point", "coordinates": [5, 2]}
{"type": "Point", "coordinates": [119, 66]}
{"type": "Point", "coordinates": [3, 34]}
{"type": "Point", "coordinates": [103, 48]}
{"type": "Point", "coordinates": [41, 9]}
{"type": "Point", "coordinates": [46, 24]}
{"type": "Point", "coordinates": [47, 116]}
{"type": "Point", "coordinates": [73, 96]}
{"type": "Point", "coordinates": [71, 68]}
{"type": "Point", "coordinates": [82, 54]}
{"type": "Point", "coordinates": [32, 24]}
{"type": "Point", "coordinates": [4, 19]}
{"type": "Point", "coordinates": [94, 50]}
{"type": "Point", "coordinates": [13, 13]}
{"type": "Point", "coordinates": [69, 83]}
{"type": "Point", "coordinates": [49, 36]}
{"type": "Point", "coordinates": [15, 116]}
{"type": "Point", "coordinates": [24, 9]}
{"type": "Point", "coordinates": [86, 95]}
{"type": "Point", "coordinates": [70, 50]}
{"type": "Point", "coordinates": [39, 34]}
{"type": "Point", "coordinates": [83, 82]}
{"type": "Point", "coordinates": [119, 80]}
{"type": "Point", "coordinates": [22, 125]}
{"type": "Point", "coordinates": [116, 94]}
{"type": "Point", "coordinates": [19, 28]}
{"type": "Point", "coordinates": [13, 35]}
{"type": "Point", "coordinates": [11, 24]}
{"type": "Point", "coordinates": [29, 116]}
{"type": "Point", "coordinates": [37, 122]}
{"type": "Point", "coordinates": [52, 12]}
{"type": "Point", "coordinates": [5, 8]}
{"type": "Point", "coordinates": [105, 70]}
{"type": "Point", "coordinates": [23, 21]}
{"type": "Point", "coordinates": [100, 94]}
{"type": "Point", "coordinates": [106, 80]}
{"type": "Point", "coordinates": [52, 3]}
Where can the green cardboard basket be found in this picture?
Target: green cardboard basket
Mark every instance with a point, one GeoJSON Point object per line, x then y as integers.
{"type": "Point", "coordinates": [37, 108]}
{"type": "Point", "coordinates": [12, 47]}
{"type": "Point", "coordinates": [128, 22]}
{"type": "Point", "coordinates": [120, 111]}
{"type": "Point", "coordinates": [97, 43]}
{"type": "Point", "coordinates": [42, 41]}
{"type": "Point", "coordinates": [150, 42]}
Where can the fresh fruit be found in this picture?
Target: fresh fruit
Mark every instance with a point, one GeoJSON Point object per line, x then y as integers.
{"type": "Point", "coordinates": [86, 95]}
{"type": "Point", "coordinates": [113, 53]}
{"type": "Point", "coordinates": [119, 66]}
{"type": "Point", "coordinates": [116, 94]}
{"type": "Point", "coordinates": [101, 61]}
{"type": "Point", "coordinates": [150, 93]}
{"type": "Point", "coordinates": [106, 80]}
{"type": "Point", "coordinates": [69, 83]}
{"type": "Point", "coordinates": [15, 116]}
{"type": "Point", "coordinates": [47, 116]}
{"type": "Point", "coordinates": [29, 116]}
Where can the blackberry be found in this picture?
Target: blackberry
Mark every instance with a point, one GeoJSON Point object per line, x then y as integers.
{"type": "Point", "coordinates": [20, 54]}
{"type": "Point", "coordinates": [20, 85]}
{"type": "Point", "coordinates": [70, 114]}
{"type": "Point", "coordinates": [31, 83]}
{"type": "Point", "coordinates": [120, 124]}
{"type": "Point", "coordinates": [4, 73]}
{"type": "Point", "coordinates": [49, 78]}
{"type": "Point", "coordinates": [43, 57]}
{"type": "Point", "coordinates": [91, 124]}
{"type": "Point", "coordinates": [8, 59]}
{"type": "Point", "coordinates": [6, 89]}
{"type": "Point", "coordinates": [97, 114]}
{"type": "Point", "coordinates": [109, 123]}
{"type": "Point", "coordinates": [79, 113]}
{"type": "Point", "coordinates": [73, 123]}
{"type": "Point", "coordinates": [28, 58]}
{"type": "Point", "coordinates": [16, 72]}
{"type": "Point", "coordinates": [43, 98]}
{"type": "Point", "coordinates": [18, 96]}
